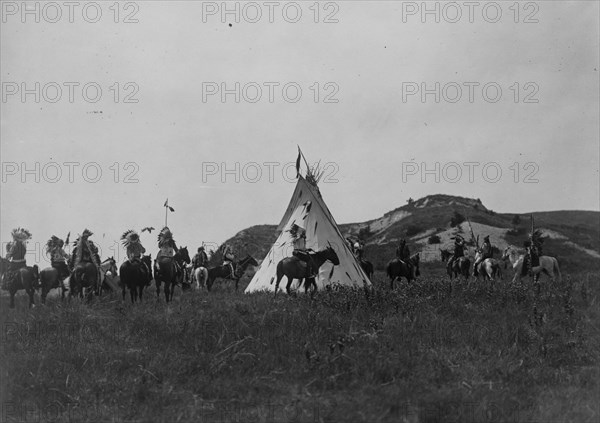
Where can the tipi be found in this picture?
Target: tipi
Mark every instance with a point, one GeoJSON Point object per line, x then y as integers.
{"type": "Point", "coordinates": [308, 210]}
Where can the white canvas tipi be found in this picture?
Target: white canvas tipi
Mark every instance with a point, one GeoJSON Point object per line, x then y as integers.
{"type": "Point", "coordinates": [308, 210]}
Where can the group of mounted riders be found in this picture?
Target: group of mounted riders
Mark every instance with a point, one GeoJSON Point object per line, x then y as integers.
{"type": "Point", "coordinates": [533, 252]}
{"type": "Point", "coordinates": [167, 265]}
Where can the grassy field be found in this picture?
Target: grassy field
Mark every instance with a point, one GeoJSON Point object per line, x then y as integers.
{"type": "Point", "coordinates": [427, 352]}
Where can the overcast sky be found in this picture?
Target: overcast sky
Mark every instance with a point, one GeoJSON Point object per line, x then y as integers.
{"type": "Point", "coordinates": [361, 111]}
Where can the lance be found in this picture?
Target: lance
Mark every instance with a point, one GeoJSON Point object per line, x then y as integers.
{"type": "Point", "coordinates": [531, 247]}
{"type": "Point", "coordinates": [472, 234]}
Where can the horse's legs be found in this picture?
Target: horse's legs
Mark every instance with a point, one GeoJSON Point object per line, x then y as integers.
{"type": "Point", "coordinates": [289, 284]}
{"type": "Point", "coordinates": [31, 291]}
{"type": "Point", "coordinates": [12, 298]}
{"type": "Point", "coordinates": [44, 292]}
{"type": "Point", "coordinates": [279, 277]}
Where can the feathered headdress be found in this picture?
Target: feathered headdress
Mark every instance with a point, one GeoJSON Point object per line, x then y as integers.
{"type": "Point", "coordinates": [85, 235]}
{"type": "Point", "coordinates": [165, 237]}
{"type": "Point", "coordinates": [130, 237]}
{"type": "Point", "coordinates": [53, 244]}
{"type": "Point", "coordinates": [21, 234]}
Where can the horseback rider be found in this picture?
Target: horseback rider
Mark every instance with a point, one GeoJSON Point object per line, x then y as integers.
{"type": "Point", "coordinates": [15, 253]}
{"type": "Point", "coordinates": [359, 249]}
{"type": "Point", "coordinates": [228, 258]}
{"type": "Point", "coordinates": [533, 246]}
{"type": "Point", "coordinates": [403, 254]}
{"type": "Point", "coordinates": [301, 252]}
{"type": "Point", "coordinates": [134, 248]}
{"type": "Point", "coordinates": [459, 250]}
{"type": "Point", "coordinates": [167, 249]}
{"type": "Point", "coordinates": [487, 252]}
{"type": "Point", "coordinates": [58, 256]}
{"type": "Point", "coordinates": [85, 251]}
{"type": "Point", "coordinates": [200, 259]}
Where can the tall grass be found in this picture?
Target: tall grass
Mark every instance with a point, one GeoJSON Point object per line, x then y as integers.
{"type": "Point", "coordinates": [431, 351]}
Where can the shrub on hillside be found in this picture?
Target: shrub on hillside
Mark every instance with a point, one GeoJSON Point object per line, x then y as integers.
{"type": "Point", "coordinates": [434, 239]}
{"type": "Point", "coordinates": [457, 219]}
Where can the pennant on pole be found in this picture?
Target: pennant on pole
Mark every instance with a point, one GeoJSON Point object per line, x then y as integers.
{"type": "Point", "coordinates": [298, 162]}
{"type": "Point", "coordinates": [167, 205]}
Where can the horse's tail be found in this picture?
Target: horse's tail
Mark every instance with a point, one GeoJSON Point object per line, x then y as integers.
{"type": "Point", "coordinates": [388, 270]}
{"type": "Point", "coordinates": [557, 270]}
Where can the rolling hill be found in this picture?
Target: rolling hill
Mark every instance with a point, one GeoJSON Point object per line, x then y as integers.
{"type": "Point", "coordinates": [573, 236]}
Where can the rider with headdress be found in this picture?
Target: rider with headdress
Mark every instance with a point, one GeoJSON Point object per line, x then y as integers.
{"type": "Point", "coordinates": [58, 256]}
{"type": "Point", "coordinates": [85, 251]}
{"type": "Point", "coordinates": [487, 251]}
{"type": "Point", "coordinates": [16, 251]}
{"type": "Point", "coordinates": [167, 247]}
{"type": "Point", "coordinates": [133, 247]}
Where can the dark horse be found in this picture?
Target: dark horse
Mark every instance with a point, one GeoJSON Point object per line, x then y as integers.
{"type": "Point", "coordinates": [135, 276]}
{"type": "Point", "coordinates": [294, 268]}
{"type": "Point", "coordinates": [226, 272]}
{"type": "Point", "coordinates": [87, 275]}
{"type": "Point", "coordinates": [49, 280]}
{"type": "Point", "coordinates": [23, 278]}
{"type": "Point", "coordinates": [397, 268]}
{"type": "Point", "coordinates": [169, 273]}
{"type": "Point", "coordinates": [367, 267]}
{"type": "Point", "coordinates": [460, 266]}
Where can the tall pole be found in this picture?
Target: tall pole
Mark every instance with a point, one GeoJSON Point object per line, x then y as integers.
{"type": "Point", "coordinates": [166, 215]}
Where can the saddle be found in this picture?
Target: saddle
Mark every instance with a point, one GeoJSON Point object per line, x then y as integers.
{"type": "Point", "coordinates": [307, 257]}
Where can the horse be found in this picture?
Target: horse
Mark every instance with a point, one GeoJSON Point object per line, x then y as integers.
{"type": "Point", "coordinates": [367, 267]}
{"type": "Point", "coordinates": [200, 276]}
{"type": "Point", "coordinates": [547, 265]}
{"type": "Point", "coordinates": [397, 268]}
{"type": "Point", "coordinates": [166, 271]}
{"type": "Point", "coordinates": [24, 278]}
{"type": "Point", "coordinates": [294, 268]}
{"type": "Point", "coordinates": [135, 277]}
{"type": "Point", "coordinates": [235, 271]}
{"type": "Point", "coordinates": [488, 268]}
{"type": "Point", "coordinates": [49, 280]}
{"type": "Point", "coordinates": [87, 275]}
{"type": "Point", "coordinates": [460, 266]}
{"type": "Point", "coordinates": [108, 265]}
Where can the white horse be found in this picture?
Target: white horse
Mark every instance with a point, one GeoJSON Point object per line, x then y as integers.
{"type": "Point", "coordinates": [488, 268]}
{"type": "Point", "coordinates": [548, 265]}
{"type": "Point", "coordinates": [199, 277]}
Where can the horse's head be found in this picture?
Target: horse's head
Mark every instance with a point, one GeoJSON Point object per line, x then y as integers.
{"type": "Point", "coordinates": [147, 260]}
{"type": "Point", "coordinates": [332, 256]}
{"type": "Point", "coordinates": [444, 254]}
{"type": "Point", "coordinates": [109, 265]}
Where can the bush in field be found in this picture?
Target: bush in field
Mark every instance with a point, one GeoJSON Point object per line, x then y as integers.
{"type": "Point", "coordinates": [434, 239]}
{"type": "Point", "coordinates": [457, 219]}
